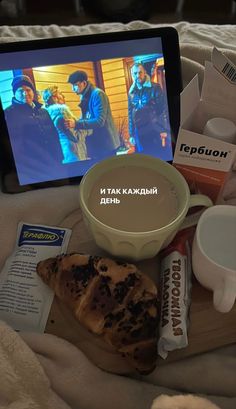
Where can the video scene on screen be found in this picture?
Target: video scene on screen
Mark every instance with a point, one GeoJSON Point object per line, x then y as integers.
{"type": "Point", "coordinates": [59, 116]}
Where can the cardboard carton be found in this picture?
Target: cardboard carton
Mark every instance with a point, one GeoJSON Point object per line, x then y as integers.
{"type": "Point", "coordinates": [204, 161]}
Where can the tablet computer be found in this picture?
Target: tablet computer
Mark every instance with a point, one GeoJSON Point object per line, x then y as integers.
{"type": "Point", "coordinates": [67, 103]}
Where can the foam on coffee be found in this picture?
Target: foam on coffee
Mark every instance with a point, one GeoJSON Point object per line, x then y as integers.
{"type": "Point", "coordinates": [135, 212]}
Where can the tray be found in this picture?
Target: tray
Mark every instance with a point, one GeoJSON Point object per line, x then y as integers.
{"type": "Point", "coordinates": [208, 329]}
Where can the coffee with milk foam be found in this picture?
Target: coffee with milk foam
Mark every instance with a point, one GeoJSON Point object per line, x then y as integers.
{"type": "Point", "coordinates": [133, 212]}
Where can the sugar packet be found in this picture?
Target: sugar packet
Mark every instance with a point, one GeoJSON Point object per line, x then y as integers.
{"type": "Point", "coordinates": [25, 301]}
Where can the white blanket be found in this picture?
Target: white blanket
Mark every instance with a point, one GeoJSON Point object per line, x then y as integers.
{"type": "Point", "coordinates": [48, 372]}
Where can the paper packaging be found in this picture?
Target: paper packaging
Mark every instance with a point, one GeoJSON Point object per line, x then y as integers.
{"type": "Point", "coordinates": [206, 162]}
{"type": "Point", "coordinates": [25, 301]}
{"type": "Point", "coordinates": [175, 286]}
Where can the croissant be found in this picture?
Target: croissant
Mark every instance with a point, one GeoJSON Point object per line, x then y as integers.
{"type": "Point", "coordinates": [112, 299]}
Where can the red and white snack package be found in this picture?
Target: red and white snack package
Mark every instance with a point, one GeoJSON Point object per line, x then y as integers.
{"type": "Point", "coordinates": [175, 284]}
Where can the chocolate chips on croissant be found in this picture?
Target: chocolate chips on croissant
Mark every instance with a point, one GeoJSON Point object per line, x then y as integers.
{"type": "Point", "coordinates": [111, 299]}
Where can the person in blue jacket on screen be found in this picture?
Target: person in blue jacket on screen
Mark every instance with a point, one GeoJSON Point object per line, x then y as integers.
{"type": "Point", "coordinates": [96, 116]}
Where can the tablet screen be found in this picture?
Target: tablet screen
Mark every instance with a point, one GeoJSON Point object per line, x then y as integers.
{"type": "Point", "coordinates": [67, 108]}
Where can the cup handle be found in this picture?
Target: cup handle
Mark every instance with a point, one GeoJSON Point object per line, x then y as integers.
{"type": "Point", "coordinates": [196, 200]}
{"type": "Point", "coordinates": [224, 299]}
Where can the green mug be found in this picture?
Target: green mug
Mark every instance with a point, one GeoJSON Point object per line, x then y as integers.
{"type": "Point", "coordinates": [144, 244]}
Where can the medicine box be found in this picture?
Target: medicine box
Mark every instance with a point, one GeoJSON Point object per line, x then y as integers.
{"type": "Point", "coordinates": [204, 161]}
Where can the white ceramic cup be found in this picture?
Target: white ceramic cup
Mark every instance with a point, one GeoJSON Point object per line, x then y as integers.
{"type": "Point", "coordinates": [214, 254]}
{"type": "Point", "coordinates": [144, 244]}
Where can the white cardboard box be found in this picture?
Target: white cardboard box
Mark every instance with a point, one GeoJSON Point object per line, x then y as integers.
{"type": "Point", "coordinates": [206, 162]}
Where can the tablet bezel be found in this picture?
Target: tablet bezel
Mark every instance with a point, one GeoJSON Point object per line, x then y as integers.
{"type": "Point", "coordinates": [171, 53]}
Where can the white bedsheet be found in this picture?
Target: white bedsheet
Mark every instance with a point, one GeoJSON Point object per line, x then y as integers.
{"type": "Point", "coordinates": [68, 379]}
